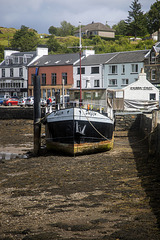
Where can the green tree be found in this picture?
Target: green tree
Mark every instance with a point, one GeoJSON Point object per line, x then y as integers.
{"type": "Point", "coordinates": [53, 44]}
{"type": "Point", "coordinates": [136, 22]}
{"type": "Point", "coordinates": [52, 30]}
{"type": "Point", "coordinates": [66, 29]}
{"type": "Point", "coordinates": [120, 28]}
{"type": "Point", "coordinates": [153, 17]}
{"type": "Point", "coordinates": [25, 39]}
{"type": "Point", "coordinates": [1, 53]}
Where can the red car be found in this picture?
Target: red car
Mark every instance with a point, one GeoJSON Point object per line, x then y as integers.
{"type": "Point", "coordinates": [10, 102]}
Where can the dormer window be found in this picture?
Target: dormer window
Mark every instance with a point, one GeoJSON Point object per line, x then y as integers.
{"type": "Point", "coordinates": [7, 61]}
{"type": "Point", "coordinates": [16, 60]}
{"type": "Point", "coordinates": [24, 60]}
{"type": "Point", "coordinates": [153, 57]}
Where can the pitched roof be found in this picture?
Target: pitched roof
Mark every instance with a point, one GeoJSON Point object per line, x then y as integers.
{"type": "Point", "coordinates": [97, 59]}
{"type": "Point", "coordinates": [56, 60]}
{"type": "Point", "coordinates": [96, 27]}
{"type": "Point", "coordinates": [31, 56]}
{"type": "Point", "coordinates": [114, 58]}
{"type": "Point", "coordinates": [129, 57]}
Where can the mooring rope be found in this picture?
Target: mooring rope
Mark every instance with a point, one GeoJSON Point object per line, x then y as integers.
{"type": "Point", "coordinates": [94, 127]}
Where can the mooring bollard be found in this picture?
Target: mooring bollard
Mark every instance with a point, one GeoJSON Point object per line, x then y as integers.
{"type": "Point", "coordinates": [37, 115]}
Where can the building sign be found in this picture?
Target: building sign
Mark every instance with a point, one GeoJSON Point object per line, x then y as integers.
{"type": "Point", "coordinates": [141, 88]}
{"type": "Point", "coordinates": [10, 89]}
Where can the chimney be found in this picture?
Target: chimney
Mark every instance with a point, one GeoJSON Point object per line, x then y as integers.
{"type": "Point", "coordinates": [41, 51]}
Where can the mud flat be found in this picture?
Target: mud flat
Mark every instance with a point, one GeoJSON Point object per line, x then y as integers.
{"type": "Point", "coordinates": [112, 195]}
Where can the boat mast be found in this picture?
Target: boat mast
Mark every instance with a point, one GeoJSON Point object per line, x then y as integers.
{"type": "Point", "coordinates": [80, 53]}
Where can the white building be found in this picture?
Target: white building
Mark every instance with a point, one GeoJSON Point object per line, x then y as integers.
{"type": "Point", "coordinates": [14, 71]}
{"type": "Point", "coordinates": [140, 95]}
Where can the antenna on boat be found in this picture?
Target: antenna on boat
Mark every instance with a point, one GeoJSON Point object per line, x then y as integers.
{"type": "Point", "coordinates": [80, 55]}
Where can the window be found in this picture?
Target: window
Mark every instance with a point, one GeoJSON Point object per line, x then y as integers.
{"type": "Point", "coordinates": [3, 72]}
{"type": "Point", "coordinates": [53, 92]}
{"type": "Point", "coordinates": [20, 72]}
{"type": "Point", "coordinates": [82, 70]}
{"type": "Point", "coordinates": [78, 83]}
{"type": "Point", "coordinates": [152, 96]}
{"type": "Point", "coordinates": [54, 78]}
{"type": "Point", "coordinates": [77, 95]}
{"type": "Point", "coordinates": [43, 79]}
{"type": "Point", "coordinates": [44, 93]}
{"type": "Point", "coordinates": [134, 68]}
{"type": "Point", "coordinates": [11, 72]}
{"type": "Point", "coordinates": [96, 95]}
{"type": "Point", "coordinates": [88, 85]}
{"type": "Point", "coordinates": [48, 93]}
{"type": "Point", "coordinates": [113, 82]}
{"type": "Point", "coordinates": [16, 60]}
{"type": "Point", "coordinates": [153, 74]}
{"type": "Point", "coordinates": [94, 70]}
{"type": "Point", "coordinates": [64, 77]}
{"type": "Point", "coordinates": [123, 69]}
{"type": "Point", "coordinates": [153, 57]}
{"type": "Point", "coordinates": [96, 83]}
{"type": "Point", "coordinates": [67, 91]}
{"type": "Point", "coordinates": [125, 81]}
{"type": "Point", "coordinates": [87, 95]}
{"type": "Point", "coordinates": [24, 60]}
{"type": "Point", "coordinates": [113, 69]}
{"type": "Point", "coordinates": [7, 61]}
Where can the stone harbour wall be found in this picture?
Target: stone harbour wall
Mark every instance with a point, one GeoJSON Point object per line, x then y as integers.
{"type": "Point", "coordinates": [125, 121]}
{"type": "Point", "coordinates": [18, 113]}
{"type": "Point", "coordinates": [147, 124]}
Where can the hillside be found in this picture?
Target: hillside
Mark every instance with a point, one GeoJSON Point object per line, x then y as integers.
{"type": "Point", "coordinates": [120, 43]}
{"type": "Point", "coordinates": [5, 35]}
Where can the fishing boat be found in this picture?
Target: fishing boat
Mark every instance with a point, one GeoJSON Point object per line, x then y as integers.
{"type": "Point", "coordinates": [77, 131]}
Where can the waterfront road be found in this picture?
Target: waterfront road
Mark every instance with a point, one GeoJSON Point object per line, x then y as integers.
{"type": "Point", "coordinates": [113, 195]}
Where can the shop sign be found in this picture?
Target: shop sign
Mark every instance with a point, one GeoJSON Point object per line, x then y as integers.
{"type": "Point", "coordinates": [141, 88]}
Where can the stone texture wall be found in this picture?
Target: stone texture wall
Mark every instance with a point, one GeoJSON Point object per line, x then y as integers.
{"type": "Point", "coordinates": [127, 121]}
{"type": "Point", "coordinates": [150, 128]}
{"type": "Point", "coordinates": [146, 124]}
{"type": "Point", "coordinates": [18, 113]}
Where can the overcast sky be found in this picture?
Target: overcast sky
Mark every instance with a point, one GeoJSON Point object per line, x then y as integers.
{"type": "Point", "coordinates": [41, 14]}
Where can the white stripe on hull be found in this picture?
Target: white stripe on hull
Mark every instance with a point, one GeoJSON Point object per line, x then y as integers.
{"type": "Point", "coordinates": [77, 114]}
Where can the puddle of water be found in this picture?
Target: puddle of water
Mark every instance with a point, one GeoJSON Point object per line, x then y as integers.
{"type": "Point", "coordinates": [15, 151]}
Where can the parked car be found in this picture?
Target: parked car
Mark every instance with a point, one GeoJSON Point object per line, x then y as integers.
{"type": "Point", "coordinates": [22, 102]}
{"type": "Point", "coordinates": [1, 101]}
{"type": "Point", "coordinates": [30, 101]}
{"type": "Point", "coordinates": [10, 102]}
{"type": "Point", "coordinates": [43, 102]}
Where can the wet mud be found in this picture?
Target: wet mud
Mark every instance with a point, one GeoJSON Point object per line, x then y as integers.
{"type": "Point", "coordinates": [112, 195]}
